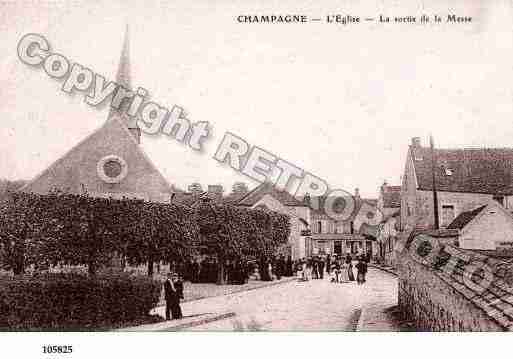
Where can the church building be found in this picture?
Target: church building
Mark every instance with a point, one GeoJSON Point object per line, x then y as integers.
{"type": "Point", "coordinates": [109, 162]}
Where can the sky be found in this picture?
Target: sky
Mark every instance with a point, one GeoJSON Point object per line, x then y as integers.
{"type": "Point", "coordinates": [341, 102]}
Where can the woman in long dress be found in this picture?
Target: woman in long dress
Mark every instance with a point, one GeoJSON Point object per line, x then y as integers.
{"type": "Point", "coordinates": [344, 274]}
{"type": "Point", "coordinates": [349, 262]}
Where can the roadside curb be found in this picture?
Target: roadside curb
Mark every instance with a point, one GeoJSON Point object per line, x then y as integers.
{"type": "Point", "coordinates": [199, 322]}
{"type": "Point", "coordinates": [172, 326]}
{"type": "Point", "coordinates": [269, 284]}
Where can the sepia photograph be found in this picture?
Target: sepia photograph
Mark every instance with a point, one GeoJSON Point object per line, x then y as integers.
{"type": "Point", "coordinates": [255, 166]}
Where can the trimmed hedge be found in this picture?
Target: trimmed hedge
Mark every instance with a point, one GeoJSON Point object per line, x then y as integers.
{"type": "Point", "coordinates": [59, 228]}
{"type": "Point", "coordinates": [74, 301]}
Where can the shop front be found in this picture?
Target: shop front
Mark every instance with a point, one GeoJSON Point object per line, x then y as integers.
{"type": "Point", "coordinates": [340, 244]}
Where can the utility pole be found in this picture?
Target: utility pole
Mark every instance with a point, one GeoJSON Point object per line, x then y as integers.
{"type": "Point", "coordinates": [433, 169]}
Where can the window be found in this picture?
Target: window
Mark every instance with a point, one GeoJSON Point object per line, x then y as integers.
{"type": "Point", "coordinates": [319, 227]}
{"type": "Point", "coordinates": [447, 214]}
{"type": "Point", "coordinates": [499, 199]}
{"type": "Point", "coordinates": [352, 227]}
{"type": "Point", "coordinates": [112, 169]}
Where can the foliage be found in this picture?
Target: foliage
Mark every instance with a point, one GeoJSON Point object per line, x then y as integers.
{"type": "Point", "coordinates": [58, 228]}
{"type": "Point", "coordinates": [234, 232]}
{"type": "Point", "coordinates": [73, 301]}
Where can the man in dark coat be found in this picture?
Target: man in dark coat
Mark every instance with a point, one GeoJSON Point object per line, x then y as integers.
{"type": "Point", "coordinates": [320, 266]}
{"type": "Point", "coordinates": [289, 267]}
{"type": "Point", "coordinates": [173, 292]}
{"type": "Point", "coordinates": [362, 270]}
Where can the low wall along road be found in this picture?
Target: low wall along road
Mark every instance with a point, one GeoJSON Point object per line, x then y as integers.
{"type": "Point", "coordinates": [445, 288]}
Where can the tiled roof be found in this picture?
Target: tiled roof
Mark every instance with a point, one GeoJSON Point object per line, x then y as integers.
{"type": "Point", "coordinates": [267, 188]}
{"type": "Point", "coordinates": [322, 200]}
{"type": "Point", "coordinates": [466, 170]}
{"type": "Point", "coordinates": [464, 218]}
{"type": "Point", "coordinates": [392, 197]}
{"type": "Point", "coordinates": [494, 298]}
{"type": "Point", "coordinates": [319, 213]}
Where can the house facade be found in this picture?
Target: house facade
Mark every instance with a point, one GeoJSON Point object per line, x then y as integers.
{"type": "Point", "coordinates": [465, 179]}
{"type": "Point", "coordinates": [355, 236]}
{"type": "Point", "coordinates": [389, 204]}
{"type": "Point", "coordinates": [267, 196]}
{"type": "Point", "coordinates": [487, 227]}
{"type": "Point", "coordinates": [312, 231]}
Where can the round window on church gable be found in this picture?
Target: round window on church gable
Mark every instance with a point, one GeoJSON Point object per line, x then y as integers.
{"type": "Point", "coordinates": [112, 169]}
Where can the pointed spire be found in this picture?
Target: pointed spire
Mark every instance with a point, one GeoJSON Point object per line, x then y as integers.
{"type": "Point", "coordinates": [123, 75]}
{"type": "Point", "coordinates": [123, 79]}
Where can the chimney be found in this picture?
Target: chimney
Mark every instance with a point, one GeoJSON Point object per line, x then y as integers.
{"type": "Point", "coordinates": [306, 199]}
{"type": "Point", "coordinates": [415, 142]}
{"type": "Point", "coordinates": [215, 191]}
{"type": "Point", "coordinates": [384, 186]}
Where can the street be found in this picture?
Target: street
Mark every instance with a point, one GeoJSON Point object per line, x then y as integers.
{"type": "Point", "coordinates": [313, 305]}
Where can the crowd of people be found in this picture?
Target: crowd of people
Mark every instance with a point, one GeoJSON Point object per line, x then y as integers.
{"type": "Point", "coordinates": [339, 268]}
{"type": "Point", "coordinates": [235, 271]}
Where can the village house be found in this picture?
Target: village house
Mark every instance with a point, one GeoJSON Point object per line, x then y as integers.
{"type": "Point", "coordinates": [312, 231]}
{"type": "Point", "coordinates": [487, 227]}
{"type": "Point", "coordinates": [465, 179]}
{"type": "Point", "coordinates": [108, 163]}
{"type": "Point", "coordinates": [389, 204]}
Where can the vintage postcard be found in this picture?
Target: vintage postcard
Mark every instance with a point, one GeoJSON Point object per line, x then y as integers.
{"type": "Point", "coordinates": [262, 166]}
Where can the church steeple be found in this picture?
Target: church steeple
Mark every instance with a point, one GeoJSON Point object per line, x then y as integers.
{"type": "Point", "coordinates": [123, 75]}
{"type": "Point", "coordinates": [123, 79]}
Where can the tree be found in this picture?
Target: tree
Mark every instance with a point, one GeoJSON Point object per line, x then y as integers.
{"type": "Point", "coordinates": [70, 229]}
{"type": "Point", "coordinates": [230, 232]}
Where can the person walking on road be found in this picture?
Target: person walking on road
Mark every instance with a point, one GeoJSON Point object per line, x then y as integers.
{"type": "Point", "coordinates": [349, 263]}
{"type": "Point", "coordinates": [336, 271]}
{"type": "Point", "coordinates": [344, 274]}
{"type": "Point", "coordinates": [173, 292]}
{"type": "Point", "coordinates": [321, 268]}
{"type": "Point", "coordinates": [315, 268]}
{"type": "Point", "coordinates": [362, 270]}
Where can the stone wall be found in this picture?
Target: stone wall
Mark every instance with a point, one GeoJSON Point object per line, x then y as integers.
{"type": "Point", "coordinates": [436, 294]}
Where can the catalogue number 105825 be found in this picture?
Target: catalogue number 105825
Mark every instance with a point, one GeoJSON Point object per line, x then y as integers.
{"type": "Point", "coordinates": [57, 349]}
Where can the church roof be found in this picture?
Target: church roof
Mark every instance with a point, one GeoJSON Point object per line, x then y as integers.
{"type": "Point", "coordinates": [77, 171]}
{"type": "Point", "coordinates": [83, 169]}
